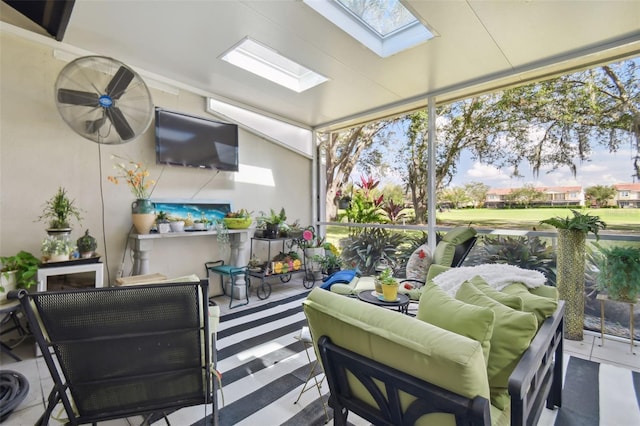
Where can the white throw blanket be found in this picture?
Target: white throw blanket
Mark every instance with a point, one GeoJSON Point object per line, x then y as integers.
{"type": "Point", "coordinates": [497, 275]}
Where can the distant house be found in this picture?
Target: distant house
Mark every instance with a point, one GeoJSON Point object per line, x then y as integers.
{"type": "Point", "coordinates": [554, 196]}
{"type": "Point", "coordinates": [627, 195]}
{"type": "Point", "coordinates": [562, 196]}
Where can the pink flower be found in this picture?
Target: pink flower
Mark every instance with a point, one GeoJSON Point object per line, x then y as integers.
{"type": "Point", "coordinates": [307, 235]}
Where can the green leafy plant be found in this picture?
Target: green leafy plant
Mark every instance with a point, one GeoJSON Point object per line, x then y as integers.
{"type": "Point", "coordinates": [162, 217]}
{"type": "Point", "coordinates": [59, 210]}
{"type": "Point", "coordinates": [52, 246]}
{"type": "Point", "coordinates": [25, 266]}
{"type": "Point", "coordinates": [272, 218]}
{"type": "Point", "coordinates": [579, 222]}
{"type": "Point", "coordinates": [86, 243]}
{"type": "Point", "coordinates": [386, 277]}
{"type": "Point", "coordinates": [525, 252]}
{"type": "Point", "coordinates": [619, 272]}
{"type": "Point", "coordinates": [329, 262]}
{"type": "Point", "coordinates": [371, 246]}
{"type": "Point", "coordinates": [240, 214]}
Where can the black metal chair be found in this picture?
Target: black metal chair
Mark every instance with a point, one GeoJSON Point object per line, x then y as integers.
{"type": "Point", "coordinates": [123, 351]}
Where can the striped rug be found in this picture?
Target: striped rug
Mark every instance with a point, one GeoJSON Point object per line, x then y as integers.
{"type": "Point", "coordinates": [264, 368]}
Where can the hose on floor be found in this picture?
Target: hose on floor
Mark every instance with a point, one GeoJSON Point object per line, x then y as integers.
{"type": "Point", "coordinates": [14, 387]}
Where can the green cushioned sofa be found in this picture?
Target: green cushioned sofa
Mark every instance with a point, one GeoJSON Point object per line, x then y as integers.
{"type": "Point", "coordinates": [395, 369]}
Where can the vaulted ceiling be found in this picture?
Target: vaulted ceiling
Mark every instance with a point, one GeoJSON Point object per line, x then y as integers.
{"type": "Point", "coordinates": [480, 45]}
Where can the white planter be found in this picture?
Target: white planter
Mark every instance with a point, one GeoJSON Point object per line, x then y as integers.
{"type": "Point", "coordinates": [8, 282]}
{"type": "Point", "coordinates": [164, 227]}
{"type": "Point", "coordinates": [177, 226]}
{"type": "Point", "coordinates": [58, 257]}
{"type": "Point", "coordinates": [314, 267]}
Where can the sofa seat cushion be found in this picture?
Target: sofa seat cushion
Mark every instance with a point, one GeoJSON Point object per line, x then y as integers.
{"type": "Point", "coordinates": [430, 353]}
{"type": "Point", "coordinates": [475, 322]}
{"type": "Point", "coordinates": [542, 307]}
{"type": "Point", "coordinates": [512, 333]}
{"type": "Point", "coordinates": [510, 300]}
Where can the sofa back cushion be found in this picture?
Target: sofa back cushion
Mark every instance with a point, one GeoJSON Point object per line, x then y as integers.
{"type": "Point", "coordinates": [512, 333]}
{"type": "Point", "coordinates": [542, 307]}
{"type": "Point", "coordinates": [432, 354]}
{"type": "Point", "coordinates": [444, 253]}
{"type": "Point", "coordinates": [510, 300]}
{"type": "Point", "coordinates": [475, 322]}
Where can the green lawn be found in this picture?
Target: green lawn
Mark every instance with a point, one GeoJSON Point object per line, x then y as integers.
{"type": "Point", "coordinates": [627, 220]}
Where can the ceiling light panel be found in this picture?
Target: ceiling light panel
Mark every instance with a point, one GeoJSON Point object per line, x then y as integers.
{"type": "Point", "coordinates": [386, 27]}
{"type": "Point", "coordinates": [267, 63]}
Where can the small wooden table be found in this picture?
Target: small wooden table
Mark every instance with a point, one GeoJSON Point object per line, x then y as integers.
{"type": "Point", "coordinates": [602, 298]}
{"type": "Point", "coordinates": [370, 296]}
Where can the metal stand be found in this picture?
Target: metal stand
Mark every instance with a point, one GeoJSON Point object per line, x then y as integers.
{"type": "Point", "coordinates": [305, 338]}
{"type": "Point", "coordinates": [602, 298]}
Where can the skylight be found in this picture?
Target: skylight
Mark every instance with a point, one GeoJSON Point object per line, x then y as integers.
{"type": "Point", "coordinates": [384, 26]}
{"type": "Point", "coordinates": [267, 63]}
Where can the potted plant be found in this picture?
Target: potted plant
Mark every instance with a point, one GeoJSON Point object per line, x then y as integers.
{"type": "Point", "coordinates": [59, 210]}
{"type": "Point", "coordinates": [176, 224]}
{"type": "Point", "coordinates": [330, 263]}
{"type": "Point", "coordinates": [240, 219]}
{"type": "Point", "coordinates": [162, 222]}
{"type": "Point", "coordinates": [272, 222]}
{"type": "Point", "coordinates": [572, 233]}
{"type": "Point", "coordinates": [202, 223]}
{"type": "Point", "coordinates": [619, 272]}
{"type": "Point", "coordinates": [18, 271]}
{"type": "Point", "coordinates": [312, 247]}
{"type": "Point", "coordinates": [136, 175]}
{"type": "Point", "coordinates": [388, 285]}
{"type": "Point", "coordinates": [55, 249]}
{"type": "Point", "coordinates": [86, 245]}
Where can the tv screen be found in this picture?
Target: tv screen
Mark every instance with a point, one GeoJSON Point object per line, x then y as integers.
{"type": "Point", "coordinates": [189, 141]}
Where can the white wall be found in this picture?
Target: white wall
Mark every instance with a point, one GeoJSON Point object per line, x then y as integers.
{"type": "Point", "coordinates": [39, 152]}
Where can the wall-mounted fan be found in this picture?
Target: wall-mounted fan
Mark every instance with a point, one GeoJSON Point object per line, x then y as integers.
{"type": "Point", "coordinates": [103, 100]}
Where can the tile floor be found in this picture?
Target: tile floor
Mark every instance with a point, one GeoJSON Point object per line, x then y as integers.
{"type": "Point", "coordinates": [614, 351]}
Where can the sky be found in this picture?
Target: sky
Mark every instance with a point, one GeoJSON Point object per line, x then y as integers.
{"type": "Point", "coordinates": [604, 168]}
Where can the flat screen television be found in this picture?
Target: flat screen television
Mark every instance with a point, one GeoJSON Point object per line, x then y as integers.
{"type": "Point", "coordinates": [189, 141]}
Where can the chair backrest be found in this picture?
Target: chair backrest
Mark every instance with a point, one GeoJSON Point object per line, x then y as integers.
{"type": "Point", "coordinates": [123, 351]}
{"type": "Point", "coordinates": [462, 251]}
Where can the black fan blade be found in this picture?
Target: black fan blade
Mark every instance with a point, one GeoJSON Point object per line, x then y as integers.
{"type": "Point", "coordinates": [119, 83]}
{"type": "Point", "coordinates": [120, 123]}
{"type": "Point", "coordinates": [77, 97]}
{"type": "Point", "coordinates": [92, 126]}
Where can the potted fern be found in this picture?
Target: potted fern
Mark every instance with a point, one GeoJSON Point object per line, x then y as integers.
{"type": "Point", "coordinates": [572, 233]}
{"type": "Point", "coordinates": [619, 272]}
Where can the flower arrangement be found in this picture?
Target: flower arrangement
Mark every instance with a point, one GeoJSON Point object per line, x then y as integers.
{"type": "Point", "coordinates": [135, 174]}
{"type": "Point", "coordinates": [309, 239]}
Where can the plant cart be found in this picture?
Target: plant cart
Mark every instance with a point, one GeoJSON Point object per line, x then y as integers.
{"type": "Point", "coordinates": [282, 270]}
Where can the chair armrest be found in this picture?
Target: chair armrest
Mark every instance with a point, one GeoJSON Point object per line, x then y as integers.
{"type": "Point", "coordinates": [538, 375]}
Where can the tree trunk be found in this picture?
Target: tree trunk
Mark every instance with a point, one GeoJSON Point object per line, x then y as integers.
{"type": "Point", "coordinates": [570, 278]}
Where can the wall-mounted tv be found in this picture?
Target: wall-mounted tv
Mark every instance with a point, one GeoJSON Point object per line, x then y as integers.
{"type": "Point", "coordinates": [189, 141]}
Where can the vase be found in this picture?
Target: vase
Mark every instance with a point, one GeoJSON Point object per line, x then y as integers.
{"type": "Point", "coordinates": [570, 278]}
{"type": "Point", "coordinates": [143, 215]}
